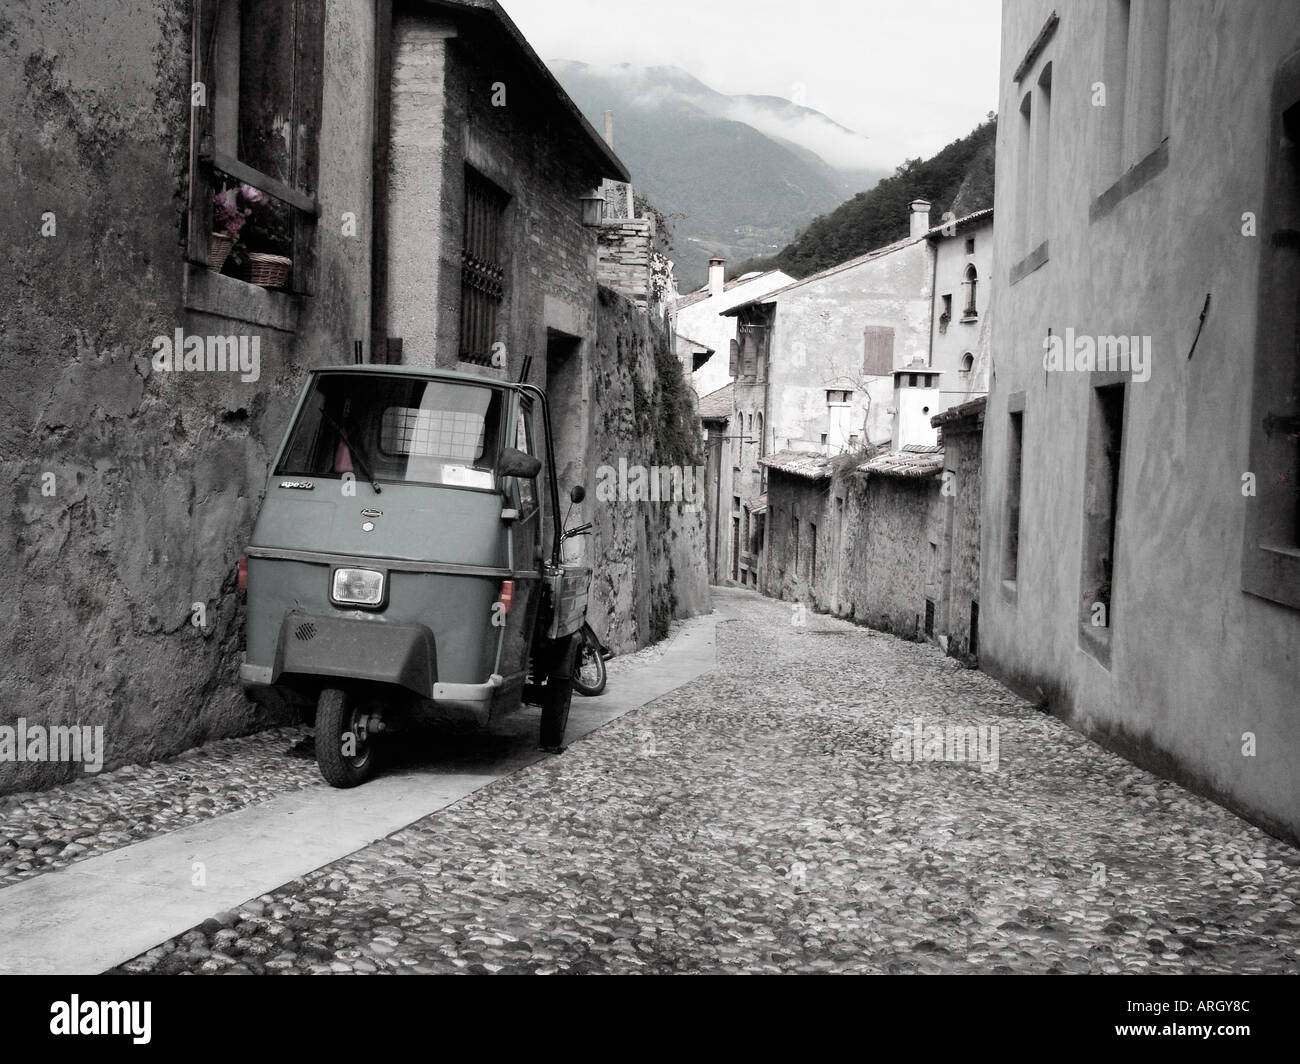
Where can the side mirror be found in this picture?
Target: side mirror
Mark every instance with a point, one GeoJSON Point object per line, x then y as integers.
{"type": "Point", "coordinates": [577, 493]}
{"type": "Point", "coordinates": [514, 463]}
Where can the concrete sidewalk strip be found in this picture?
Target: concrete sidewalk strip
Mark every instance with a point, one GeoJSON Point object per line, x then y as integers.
{"type": "Point", "coordinates": [102, 911]}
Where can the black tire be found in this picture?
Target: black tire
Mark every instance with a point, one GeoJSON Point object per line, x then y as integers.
{"type": "Point", "coordinates": [558, 694]}
{"type": "Point", "coordinates": [589, 668]}
{"type": "Point", "coordinates": [338, 714]}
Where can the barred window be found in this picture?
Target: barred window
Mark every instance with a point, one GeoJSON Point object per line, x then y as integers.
{"type": "Point", "coordinates": [482, 276]}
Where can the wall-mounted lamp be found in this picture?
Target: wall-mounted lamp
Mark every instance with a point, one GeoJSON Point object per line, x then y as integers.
{"type": "Point", "coordinates": [593, 208]}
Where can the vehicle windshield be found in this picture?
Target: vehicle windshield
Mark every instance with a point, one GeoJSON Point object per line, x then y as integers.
{"type": "Point", "coordinates": [396, 429]}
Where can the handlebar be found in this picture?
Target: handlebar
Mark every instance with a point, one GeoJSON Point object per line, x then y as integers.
{"type": "Point", "coordinates": [581, 530]}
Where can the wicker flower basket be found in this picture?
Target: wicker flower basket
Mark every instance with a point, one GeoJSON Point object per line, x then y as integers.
{"type": "Point", "coordinates": [221, 245]}
{"type": "Point", "coordinates": [270, 271]}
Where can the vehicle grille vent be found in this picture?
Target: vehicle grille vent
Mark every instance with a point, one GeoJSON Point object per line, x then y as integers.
{"type": "Point", "coordinates": [305, 631]}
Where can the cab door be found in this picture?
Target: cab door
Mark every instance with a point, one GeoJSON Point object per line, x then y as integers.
{"type": "Point", "coordinates": [525, 496]}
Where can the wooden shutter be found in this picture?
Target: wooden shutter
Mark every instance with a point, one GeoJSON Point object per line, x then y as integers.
{"type": "Point", "coordinates": [734, 366]}
{"type": "Point", "coordinates": [877, 350]}
{"type": "Point", "coordinates": [202, 45]}
{"type": "Point", "coordinates": [750, 352]}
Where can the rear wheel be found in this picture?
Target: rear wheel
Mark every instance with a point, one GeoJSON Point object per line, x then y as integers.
{"type": "Point", "coordinates": [558, 695]}
{"type": "Point", "coordinates": [589, 669]}
{"type": "Point", "coordinates": [345, 750]}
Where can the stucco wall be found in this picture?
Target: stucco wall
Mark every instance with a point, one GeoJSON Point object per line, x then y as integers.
{"type": "Point", "coordinates": [1196, 663]}
{"type": "Point", "coordinates": [949, 343]}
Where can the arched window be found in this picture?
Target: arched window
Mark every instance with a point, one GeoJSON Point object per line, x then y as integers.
{"type": "Point", "coordinates": [967, 362]}
{"type": "Point", "coordinates": [970, 284]}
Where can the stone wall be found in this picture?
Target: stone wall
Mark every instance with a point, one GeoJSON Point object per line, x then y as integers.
{"type": "Point", "coordinates": [649, 557]}
{"type": "Point", "coordinates": [624, 248]}
{"type": "Point", "coordinates": [887, 524]}
{"type": "Point", "coordinates": [960, 496]}
{"type": "Point", "coordinates": [873, 562]}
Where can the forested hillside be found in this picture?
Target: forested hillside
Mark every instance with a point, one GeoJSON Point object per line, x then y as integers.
{"type": "Point", "coordinates": [959, 179]}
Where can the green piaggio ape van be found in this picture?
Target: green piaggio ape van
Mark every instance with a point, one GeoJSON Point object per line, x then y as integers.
{"type": "Point", "coordinates": [406, 560]}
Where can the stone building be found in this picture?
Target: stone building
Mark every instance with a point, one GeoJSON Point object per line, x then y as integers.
{"type": "Point", "coordinates": [716, 411]}
{"type": "Point", "coordinates": [863, 354]}
{"type": "Point", "coordinates": [959, 323]}
{"type": "Point", "coordinates": [1141, 533]}
{"type": "Point", "coordinates": [429, 174]}
{"type": "Point", "coordinates": [698, 316]}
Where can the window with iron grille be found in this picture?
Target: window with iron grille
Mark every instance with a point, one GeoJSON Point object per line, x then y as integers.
{"type": "Point", "coordinates": [482, 274]}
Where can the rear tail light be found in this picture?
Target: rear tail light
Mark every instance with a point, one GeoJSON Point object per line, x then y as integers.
{"type": "Point", "coordinates": [507, 597]}
{"type": "Point", "coordinates": [243, 573]}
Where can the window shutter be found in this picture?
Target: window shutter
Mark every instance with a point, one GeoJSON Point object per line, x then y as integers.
{"type": "Point", "coordinates": [878, 350]}
{"type": "Point", "coordinates": [199, 237]}
{"type": "Point", "coordinates": [751, 356]}
{"type": "Point", "coordinates": [735, 358]}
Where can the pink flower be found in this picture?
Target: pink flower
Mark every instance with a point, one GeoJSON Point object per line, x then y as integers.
{"type": "Point", "coordinates": [227, 216]}
{"type": "Point", "coordinates": [254, 197]}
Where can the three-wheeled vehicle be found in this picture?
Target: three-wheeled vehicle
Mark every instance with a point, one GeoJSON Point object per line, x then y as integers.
{"type": "Point", "coordinates": [407, 560]}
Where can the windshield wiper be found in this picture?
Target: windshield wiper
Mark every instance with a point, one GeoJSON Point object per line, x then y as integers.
{"type": "Point", "coordinates": [357, 455]}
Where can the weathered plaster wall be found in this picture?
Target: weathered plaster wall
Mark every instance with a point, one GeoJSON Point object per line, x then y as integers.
{"type": "Point", "coordinates": [649, 558]}
{"type": "Point", "coordinates": [1196, 662]}
{"type": "Point", "coordinates": [156, 475]}
{"type": "Point", "coordinates": [818, 344]}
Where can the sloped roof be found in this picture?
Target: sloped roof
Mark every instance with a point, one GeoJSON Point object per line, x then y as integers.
{"type": "Point", "coordinates": [598, 152]}
{"type": "Point", "coordinates": [958, 224]}
{"type": "Point", "coordinates": [694, 343]}
{"type": "Point", "coordinates": [971, 407]}
{"type": "Point", "coordinates": [760, 505]}
{"type": "Point", "coordinates": [888, 249]}
{"type": "Point", "coordinates": [701, 294]}
{"type": "Point", "coordinates": [914, 460]}
{"type": "Point", "coordinates": [718, 405]}
{"type": "Point", "coordinates": [811, 465]}
{"type": "Point", "coordinates": [937, 231]}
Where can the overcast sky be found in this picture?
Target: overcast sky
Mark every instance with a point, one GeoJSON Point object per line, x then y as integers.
{"type": "Point", "coordinates": [912, 75]}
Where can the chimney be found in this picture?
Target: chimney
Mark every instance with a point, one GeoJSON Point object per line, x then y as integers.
{"type": "Point", "coordinates": [609, 130]}
{"type": "Point", "coordinates": [717, 273]}
{"type": "Point", "coordinates": [920, 218]}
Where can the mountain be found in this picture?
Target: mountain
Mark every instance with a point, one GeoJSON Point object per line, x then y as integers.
{"type": "Point", "coordinates": [734, 175]}
{"type": "Point", "coordinates": [959, 178]}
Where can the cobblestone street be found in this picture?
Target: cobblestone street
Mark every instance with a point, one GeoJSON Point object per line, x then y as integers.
{"type": "Point", "coordinates": [758, 819]}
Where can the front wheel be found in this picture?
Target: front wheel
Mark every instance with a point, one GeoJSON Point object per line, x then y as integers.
{"type": "Point", "coordinates": [589, 669]}
{"type": "Point", "coordinates": [345, 751]}
{"type": "Point", "coordinates": [557, 696]}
